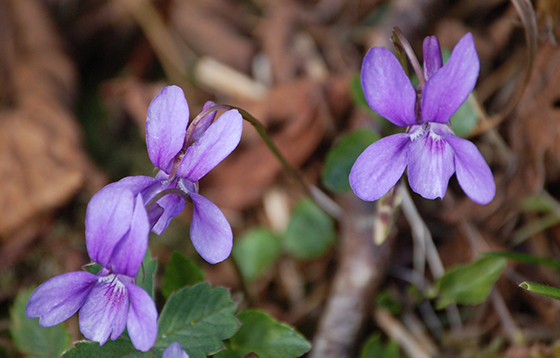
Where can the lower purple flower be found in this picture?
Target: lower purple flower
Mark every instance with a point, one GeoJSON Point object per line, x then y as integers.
{"type": "Point", "coordinates": [110, 301]}
{"type": "Point", "coordinates": [174, 351]}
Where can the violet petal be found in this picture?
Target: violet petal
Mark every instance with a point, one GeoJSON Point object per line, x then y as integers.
{"type": "Point", "coordinates": [108, 218]}
{"type": "Point", "coordinates": [430, 164]}
{"type": "Point", "coordinates": [174, 350]}
{"type": "Point", "coordinates": [136, 184]}
{"type": "Point", "coordinates": [473, 174]}
{"type": "Point", "coordinates": [450, 86]}
{"type": "Point", "coordinates": [387, 89]}
{"type": "Point", "coordinates": [57, 299]}
{"type": "Point", "coordinates": [210, 231]}
{"type": "Point", "coordinates": [219, 140]}
{"type": "Point", "coordinates": [166, 126]}
{"type": "Point", "coordinates": [142, 318]}
{"type": "Point", "coordinates": [129, 252]}
{"type": "Point", "coordinates": [204, 123]}
{"type": "Point", "coordinates": [105, 311]}
{"type": "Point", "coordinates": [432, 56]}
{"type": "Point", "coordinates": [379, 167]}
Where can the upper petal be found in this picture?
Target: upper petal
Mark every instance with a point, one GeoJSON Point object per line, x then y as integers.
{"type": "Point", "coordinates": [142, 318]}
{"type": "Point", "coordinates": [430, 164]}
{"type": "Point", "coordinates": [379, 167]}
{"type": "Point", "coordinates": [219, 140]}
{"type": "Point", "coordinates": [432, 56]}
{"type": "Point", "coordinates": [108, 218]}
{"type": "Point", "coordinates": [450, 86]}
{"type": "Point", "coordinates": [57, 299]}
{"type": "Point", "coordinates": [129, 252]}
{"type": "Point", "coordinates": [210, 231]}
{"type": "Point", "coordinates": [205, 122]}
{"type": "Point", "coordinates": [174, 351]}
{"type": "Point", "coordinates": [387, 89]}
{"type": "Point", "coordinates": [166, 126]}
{"type": "Point", "coordinates": [105, 311]}
{"type": "Point", "coordinates": [473, 174]}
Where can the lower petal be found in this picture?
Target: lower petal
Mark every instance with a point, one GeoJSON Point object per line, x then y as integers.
{"type": "Point", "coordinates": [379, 167]}
{"type": "Point", "coordinates": [210, 231]}
{"type": "Point", "coordinates": [174, 351]}
{"type": "Point", "coordinates": [59, 298]}
{"type": "Point", "coordinates": [142, 318]}
{"type": "Point", "coordinates": [105, 311]}
{"type": "Point", "coordinates": [473, 174]}
{"type": "Point", "coordinates": [430, 165]}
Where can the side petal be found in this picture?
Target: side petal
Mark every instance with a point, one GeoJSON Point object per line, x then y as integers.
{"type": "Point", "coordinates": [105, 311]}
{"type": "Point", "coordinates": [129, 252]}
{"type": "Point", "coordinates": [430, 165]}
{"type": "Point", "coordinates": [174, 351]}
{"type": "Point", "coordinates": [142, 318]}
{"type": "Point", "coordinates": [432, 56]}
{"type": "Point", "coordinates": [136, 184]}
{"type": "Point", "coordinates": [57, 299]}
{"type": "Point", "coordinates": [166, 126]}
{"type": "Point", "coordinates": [210, 231]}
{"type": "Point", "coordinates": [450, 86]}
{"type": "Point", "coordinates": [219, 140]}
{"type": "Point", "coordinates": [379, 167]}
{"type": "Point", "coordinates": [108, 218]}
{"type": "Point", "coordinates": [473, 174]}
{"type": "Point", "coordinates": [387, 89]}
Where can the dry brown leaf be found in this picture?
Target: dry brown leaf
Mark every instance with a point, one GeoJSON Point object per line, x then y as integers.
{"type": "Point", "coordinates": [41, 162]}
{"type": "Point", "coordinates": [297, 109]}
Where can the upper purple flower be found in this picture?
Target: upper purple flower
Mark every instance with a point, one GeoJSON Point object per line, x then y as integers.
{"type": "Point", "coordinates": [117, 229]}
{"type": "Point", "coordinates": [429, 148]}
{"type": "Point", "coordinates": [184, 154]}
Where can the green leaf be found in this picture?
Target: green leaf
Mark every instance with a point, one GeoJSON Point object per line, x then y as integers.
{"type": "Point", "coordinates": [548, 291]}
{"type": "Point", "coordinates": [255, 252]}
{"type": "Point", "coordinates": [199, 318]}
{"type": "Point", "coordinates": [29, 337]}
{"type": "Point", "coordinates": [310, 232]}
{"type": "Point", "coordinates": [180, 272]}
{"type": "Point", "coordinates": [375, 348]}
{"type": "Point", "coordinates": [530, 259]}
{"type": "Point", "coordinates": [265, 336]}
{"type": "Point", "coordinates": [465, 120]}
{"type": "Point", "coordinates": [470, 283]}
{"type": "Point", "coordinates": [146, 274]}
{"type": "Point", "coordinates": [341, 158]}
{"type": "Point", "coordinates": [120, 348]}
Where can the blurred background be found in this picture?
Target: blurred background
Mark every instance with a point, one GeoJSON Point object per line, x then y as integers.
{"type": "Point", "coordinates": [76, 79]}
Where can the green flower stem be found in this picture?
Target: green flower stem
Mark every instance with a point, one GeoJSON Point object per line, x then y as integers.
{"type": "Point", "coordinates": [315, 193]}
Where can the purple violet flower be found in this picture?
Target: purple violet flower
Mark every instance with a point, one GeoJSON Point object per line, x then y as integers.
{"type": "Point", "coordinates": [184, 154]}
{"type": "Point", "coordinates": [117, 230]}
{"type": "Point", "coordinates": [429, 148]}
{"type": "Point", "coordinates": [174, 351]}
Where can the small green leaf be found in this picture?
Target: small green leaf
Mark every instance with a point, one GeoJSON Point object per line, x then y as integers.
{"type": "Point", "coordinates": [120, 348]}
{"type": "Point", "coordinates": [548, 291]}
{"type": "Point", "coordinates": [341, 158]}
{"type": "Point", "coordinates": [32, 339]}
{"type": "Point", "coordinates": [256, 251]}
{"type": "Point", "coordinates": [375, 348]}
{"type": "Point", "coordinates": [310, 232]}
{"type": "Point", "coordinates": [199, 318]}
{"type": "Point", "coordinates": [265, 336]}
{"type": "Point", "coordinates": [146, 274]}
{"type": "Point", "coordinates": [529, 259]}
{"type": "Point", "coordinates": [180, 272]}
{"type": "Point", "coordinates": [470, 283]}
